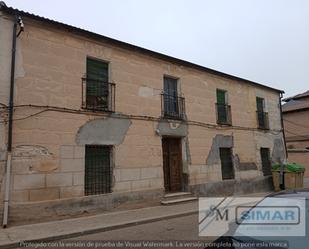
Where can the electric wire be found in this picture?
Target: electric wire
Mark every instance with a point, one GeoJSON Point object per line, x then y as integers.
{"type": "Point", "coordinates": [129, 116]}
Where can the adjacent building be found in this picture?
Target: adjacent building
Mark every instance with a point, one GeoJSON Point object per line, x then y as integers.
{"type": "Point", "coordinates": [296, 123]}
{"type": "Point", "coordinates": [98, 122]}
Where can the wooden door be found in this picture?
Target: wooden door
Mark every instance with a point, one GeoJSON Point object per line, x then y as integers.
{"type": "Point", "coordinates": [227, 168]}
{"type": "Point", "coordinates": [172, 164]}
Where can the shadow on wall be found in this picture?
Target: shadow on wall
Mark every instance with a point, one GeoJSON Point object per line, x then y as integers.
{"type": "Point", "coordinates": [223, 141]}
{"type": "Point", "coordinates": [278, 154]}
{"type": "Point", "coordinates": [219, 141]}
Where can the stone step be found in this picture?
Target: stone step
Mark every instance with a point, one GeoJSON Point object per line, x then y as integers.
{"type": "Point", "coordinates": [177, 194]}
{"type": "Point", "coordinates": [178, 200]}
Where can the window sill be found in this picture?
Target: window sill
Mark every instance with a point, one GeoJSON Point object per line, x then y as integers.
{"type": "Point", "coordinates": [172, 117]}
{"type": "Point", "coordinates": [224, 124]}
{"type": "Point", "coordinates": [93, 109]}
{"type": "Point", "coordinates": [263, 128]}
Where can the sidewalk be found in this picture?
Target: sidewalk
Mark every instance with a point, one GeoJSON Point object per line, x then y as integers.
{"type": "Point", "coordinates": [56, 230]}
{"type": "Point", "coordinates": [63, 229]}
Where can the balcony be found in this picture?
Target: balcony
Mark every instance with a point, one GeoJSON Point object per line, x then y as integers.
{"type": "Point", "coordinates": [98, 95]}
{"type": "Point", "coordinates": [262, 120]}
{"type": "Point", "coordinates": [224, 116]}
{"type": "Point", "coordinates": [172, 106]}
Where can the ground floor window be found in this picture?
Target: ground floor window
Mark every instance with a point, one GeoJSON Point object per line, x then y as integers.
{"type": "Point", "coordinates": [266, 163]}
{"type": "Point", "coordinates": [227, 167]}
{"type": "Point", "coordinates": [98, 173]}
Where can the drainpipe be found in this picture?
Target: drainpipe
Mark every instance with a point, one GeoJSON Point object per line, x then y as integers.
{"type": "Point", "coordinates": [282, 126]}
{"type": "Point", "coordinates": [18, 21]}
{"type": "Point", "coordinates": [282, 182]}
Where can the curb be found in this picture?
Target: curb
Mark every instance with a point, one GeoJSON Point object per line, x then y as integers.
{"type": "Point", "coordinates": [98, 229]}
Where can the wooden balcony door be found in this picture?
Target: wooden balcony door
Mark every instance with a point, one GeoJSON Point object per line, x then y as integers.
{"type": "Point", "coordinates": [172, 164]}
{"type": "Point", "coordinates": [170, 96]}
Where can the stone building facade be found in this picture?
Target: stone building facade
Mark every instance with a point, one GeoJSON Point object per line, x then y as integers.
{"type": "Point", "coordinates": [163, 115]}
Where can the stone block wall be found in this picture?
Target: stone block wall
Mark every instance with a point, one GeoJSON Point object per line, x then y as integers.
{"type": "Point", "coordinates": [51, 169]}
{"type": "Point", "coordinates": [36, 178]}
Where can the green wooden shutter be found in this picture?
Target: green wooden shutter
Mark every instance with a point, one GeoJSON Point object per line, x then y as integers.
{"type": "Point", "coordinates": [221, 107]}
{"type": "Point", "coordinates": [97, 70]}
{"type": "Point", "coordinates": [260, 104]}
{"type": "Point", "coordinates": [221, 97]}
{"type": "Point", "coordinates": [260, 112]}
{"type": "Point", "coordinates": [97, 84]}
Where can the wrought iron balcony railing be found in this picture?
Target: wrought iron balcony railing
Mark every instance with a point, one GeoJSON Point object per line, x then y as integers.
{"type": "Point", "coordinates": [172, 106]}
{"type": "Point", "coordinates": [224, 115]}
{"type": "Point", "coordinates": [98, 95]}
{"type": "Point", "coordinates": [262, 120]}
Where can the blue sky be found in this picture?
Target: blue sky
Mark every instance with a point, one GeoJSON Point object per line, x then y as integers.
{"type": "Point", "coordinates": [266, 41]}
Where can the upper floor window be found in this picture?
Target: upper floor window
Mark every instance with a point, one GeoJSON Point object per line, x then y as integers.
{"type": "Point", "coordinates": [173, 105]}
{"type": "Point", "coordinates": [223, 109]}
{"type": "Point", "coordinates": [262, 116]}
{"type": "Point", "coordinates": [98, 93]}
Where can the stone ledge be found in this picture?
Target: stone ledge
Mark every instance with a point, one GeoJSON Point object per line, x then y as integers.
{"type": "Point", "coordinates": [233, 187]}
{"type": "Point", "coordinates": [33, 212]}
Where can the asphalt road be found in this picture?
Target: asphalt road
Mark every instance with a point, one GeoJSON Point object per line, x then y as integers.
{"type": "Point", "coordinates": [176, 230]}
{"type": "Point", "coordinates": [181, 232]}
{"type": "Point", "coordinates": [184, 228]}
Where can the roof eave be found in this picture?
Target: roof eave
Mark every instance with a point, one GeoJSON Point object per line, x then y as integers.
{"type": "Point", "coordinates": [175, 60]}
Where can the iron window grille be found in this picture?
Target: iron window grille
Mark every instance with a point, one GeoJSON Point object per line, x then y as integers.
{"type": "Point", "coordinates": [266, 161]}
{"type": "Point", "coordinates": [227, 168]}
{"type": "Point", "coordinates": [172, 106]}
{"type": "Point", "coordinates": [262, 119]}
{"type": "Point", "coordinates": [98, 172]}
{"type": "Point", "coordinates": [98, 95]}
{"type": "Point", "coordinates": [224, 115]}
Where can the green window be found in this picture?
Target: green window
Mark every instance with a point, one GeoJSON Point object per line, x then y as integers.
{"type": "Point", "coordinates": [98, 173]}
{"type": "Point", "coordinates": [222, 108]}
{"type": "Point", "coordinates": [97, 70]}
{"type": "Point", "coordinates": [97, 87]}
{"type": "Point", "coordinates": [266, 161]}
{"type": "Point", "coordinates": [221, 97]}
{"type": "Point", "coordinates": [260, 104]}
{"type": "Point", "coordinates": [227, 168]}
{"type": "Point", "coordinates": [261, 114]}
